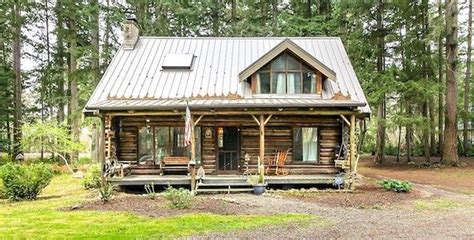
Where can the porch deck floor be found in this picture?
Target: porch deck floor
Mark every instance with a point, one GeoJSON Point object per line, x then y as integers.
{"type": "Point", "coordinates": [135, 180]}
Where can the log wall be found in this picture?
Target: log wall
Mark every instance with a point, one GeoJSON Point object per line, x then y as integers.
{"type": "Point", "coordinates": [278, 135]}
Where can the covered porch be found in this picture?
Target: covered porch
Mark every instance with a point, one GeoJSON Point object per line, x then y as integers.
{"type": "Point", "coordinates": [259, 134]}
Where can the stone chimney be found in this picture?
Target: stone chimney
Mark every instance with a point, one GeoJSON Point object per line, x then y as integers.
{"type": "Point", "coordinates": [131, 33]}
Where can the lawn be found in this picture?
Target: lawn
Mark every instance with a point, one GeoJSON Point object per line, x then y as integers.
{"type": "Point", "coordinates": [43, 219]}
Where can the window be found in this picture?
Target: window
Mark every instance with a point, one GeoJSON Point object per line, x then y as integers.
{"type": "Point", "coordinates": [155, 143]}
{"type": "Point", "coordinates": [285, 75]}
{"type": "Point", "coordinates": [145, 144]}
{"type": "Point", "coordinates": [178, 61]}
{"type": "Point", "coordinates": [305, 144]}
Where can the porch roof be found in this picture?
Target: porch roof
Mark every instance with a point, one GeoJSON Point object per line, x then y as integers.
{"type": "Point", "coordinates": [172, 104]}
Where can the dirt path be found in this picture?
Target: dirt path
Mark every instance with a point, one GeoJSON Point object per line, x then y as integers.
{"type": "Point", "coordinates": [440, 215]}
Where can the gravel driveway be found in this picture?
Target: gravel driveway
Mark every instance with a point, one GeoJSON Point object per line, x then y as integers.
{"type": "Point", "coordinates": [392, 222]}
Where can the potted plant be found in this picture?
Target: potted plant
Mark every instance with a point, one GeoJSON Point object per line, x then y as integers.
{"type": "Point", "coordinates": [258, 181]}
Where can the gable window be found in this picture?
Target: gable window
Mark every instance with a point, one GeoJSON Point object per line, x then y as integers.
{"type": "Point", "coordinates": [305, 144]}
{"type": "Point", "coordinates": [285, 75]}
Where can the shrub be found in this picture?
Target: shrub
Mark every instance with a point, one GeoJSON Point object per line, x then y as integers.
{"type": "Point", "coordinates": [3, 191]}
{"type": "Point", "coordinates": [25, 181]}
{"type": "Point", "coordinates": [179, 198]}
{"type": "Point", "coordinates": [92, 178]}
{"type": "Point", "coordinates": [106, 191]}
{"type": "Point", "coordinates": [395, 185]}
{"type": "Point", "coordinates": [4, 159]}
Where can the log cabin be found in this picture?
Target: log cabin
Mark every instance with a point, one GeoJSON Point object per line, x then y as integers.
{"type": "Point", "coordinates": [250, 98]}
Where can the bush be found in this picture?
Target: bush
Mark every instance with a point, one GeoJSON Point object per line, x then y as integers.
{"type": "Point", "coordinates": [4, 159]}
{"type": "Point", "coordinates": [179, 198]}
{"type": "Point", "coordinates": [395, 185]}
{"type": "Point", "coordinates": [25, 181]}
{"type": "Point", "coordinates": [106, 191]}
{"type": "Point", "coordinates": [92, 178]}
{"type": "Point", "coordinates": [3, 191]}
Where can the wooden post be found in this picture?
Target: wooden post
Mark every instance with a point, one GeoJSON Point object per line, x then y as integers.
{"type": "Point", "coordinates": [108, 127]}
{"type": "Point", "coordinates": [352, 140]}
{"type": "Point", "coordinates": [95, 143]}
{"type": "Point", "coordinates": [102, 142]}
{"type": "Point", "coordinates": [193, 157]}
{"type": "Point", "coordinates": [262, 138]}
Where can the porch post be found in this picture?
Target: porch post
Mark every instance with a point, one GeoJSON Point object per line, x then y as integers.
{"type": "Point", "coordinates": [193, 157]}
{"type": "Point", "coordinates": [102, 142]}
{"type": "Point", "coordinates": [262, 138]}
{"type": "Point", "coordinates": [352, 143]}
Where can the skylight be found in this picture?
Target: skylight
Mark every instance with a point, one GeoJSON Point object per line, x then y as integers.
{"type": "Point", "coordinates": [178, 61]}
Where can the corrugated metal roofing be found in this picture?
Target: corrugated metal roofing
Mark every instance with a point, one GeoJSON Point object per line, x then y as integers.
{"type": "Point", "coordinates": [137, 74]}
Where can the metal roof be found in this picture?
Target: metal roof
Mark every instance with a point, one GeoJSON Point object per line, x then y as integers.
{"type": "Point", "coordinates": [135, 75]}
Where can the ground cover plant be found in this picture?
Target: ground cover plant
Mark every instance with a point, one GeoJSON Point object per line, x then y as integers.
{"type": "Point", "coordinates": [396, 185]}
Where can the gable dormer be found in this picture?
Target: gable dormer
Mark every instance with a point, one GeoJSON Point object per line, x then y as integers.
{"type": "Point", "coordinates": [287, 69]}
{"type": "Point", "coordinates": [287, 75]}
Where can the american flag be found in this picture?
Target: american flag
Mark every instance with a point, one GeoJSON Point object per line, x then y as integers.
{"type": "Point", "coordinates": [188, 127]}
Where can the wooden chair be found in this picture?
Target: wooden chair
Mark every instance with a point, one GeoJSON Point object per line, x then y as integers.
{"type": "Point", "coordinates": [277, 164]}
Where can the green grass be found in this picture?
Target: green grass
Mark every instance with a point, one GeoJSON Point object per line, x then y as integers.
{"type": "Point", "coordinates": [436, 204]}
{"type": "Point", "coordinates": [41, 219]}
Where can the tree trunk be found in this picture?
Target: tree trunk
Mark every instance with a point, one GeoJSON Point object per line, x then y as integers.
{"type": "Point", "coordinates": [95, 41]}
{"type": "Point", "coordinates": [308, 13]}
{"type": "Point", "coordinates": [74, 115]}
{"type": "Point", "coordinates": [399, 143]}
{"type": "Point", "coordinates": [467, 88]}
{"type": "Point", "coordinates": [60, 61]}
{"type": "Point", "coordinates": [432, 126]}
{"type": "Point", "coordinates": [409, 133]}
{"type": "Point", "coordinates": [450, 150]}
{"type": "Point", "coordinates": [17, 23]}
{"type": "Point", "coordinates": [440, 83]}
{"type": "Point", "coordinates": [233, 15]}
{"type": "Point", "coordinates": [426, 79]}
{"type": "Point", "coordinates": [274, 17]}
{"type": "Point", "coordinates": [380, 140]}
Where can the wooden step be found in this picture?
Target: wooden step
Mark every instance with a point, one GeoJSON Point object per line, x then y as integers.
{"type": "Point", "coordinates": [224, 190]}
{"type": "Point", "coordinates": [220, 184]}
{"type": "Point", "coordinates": [145, 171]}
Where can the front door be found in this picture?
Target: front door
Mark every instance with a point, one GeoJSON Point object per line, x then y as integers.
{"type": "Point", "coordinates": [228, 149]}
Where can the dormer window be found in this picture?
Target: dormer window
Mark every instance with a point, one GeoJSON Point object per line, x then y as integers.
{"type": "Point", "coordinates": [286, 75]}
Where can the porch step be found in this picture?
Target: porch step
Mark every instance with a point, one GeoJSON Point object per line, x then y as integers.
{"type": "Point", "coordinates": [223, 190]}
{"type": "Point", "coordinates": [223, 185]}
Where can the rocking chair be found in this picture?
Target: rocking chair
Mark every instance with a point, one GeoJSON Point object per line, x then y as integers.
{"type": "Point", "coordinates": [277, 164]}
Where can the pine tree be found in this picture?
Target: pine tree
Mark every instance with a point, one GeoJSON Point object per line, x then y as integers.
{"type": "Point", "coordinates": [450, 149]}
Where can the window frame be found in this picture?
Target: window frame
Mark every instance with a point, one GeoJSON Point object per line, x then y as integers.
{"type": "Point", "coordinates": [301, 162]}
